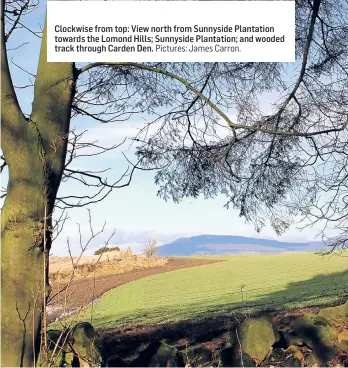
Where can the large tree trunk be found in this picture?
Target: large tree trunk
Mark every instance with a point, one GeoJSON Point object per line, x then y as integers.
{"type": "Point", "coordinates": [22, 273]}
{"type": "Point", "coordinates": [35, 151]}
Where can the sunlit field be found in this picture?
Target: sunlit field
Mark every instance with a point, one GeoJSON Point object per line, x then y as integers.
{"type": "Point", "coordinates": [237, 284]}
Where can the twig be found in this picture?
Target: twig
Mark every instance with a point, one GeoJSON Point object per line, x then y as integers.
{"type": "Point", "coordinates": [240, 348]}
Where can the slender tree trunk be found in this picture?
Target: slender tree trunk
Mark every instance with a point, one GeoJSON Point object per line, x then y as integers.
{"type": "Point", "coordinates": [35, 151]}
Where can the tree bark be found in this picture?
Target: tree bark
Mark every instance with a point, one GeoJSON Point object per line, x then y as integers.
{"type": "Point", "coordinates": [35, 151]}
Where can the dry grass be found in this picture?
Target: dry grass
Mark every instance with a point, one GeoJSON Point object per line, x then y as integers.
{"type": "Point", "coordinates": [109, 263]}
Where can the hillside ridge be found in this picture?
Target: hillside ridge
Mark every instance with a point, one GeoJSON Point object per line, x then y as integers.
{"type": "Point", "coordinates": [233, 244]}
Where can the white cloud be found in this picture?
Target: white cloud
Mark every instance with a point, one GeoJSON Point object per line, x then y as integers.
{"type": "Point", "coordinates": [122, 238]}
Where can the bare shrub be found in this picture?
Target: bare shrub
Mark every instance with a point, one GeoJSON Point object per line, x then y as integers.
{"type": "Point", "coordinates": [150, 248]}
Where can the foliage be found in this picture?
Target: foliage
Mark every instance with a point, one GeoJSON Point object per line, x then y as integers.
{"type": "Point", "coordinates": [212, 132]}
{"type": "Point", "coordinates": [105, 249]}
{"type": "Point", "coordinates": [209, 134]}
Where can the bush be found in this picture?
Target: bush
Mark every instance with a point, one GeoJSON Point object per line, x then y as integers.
{"type": "Point", "coordinates": [150, 248]}
{"type": "Point", "coordinates": [105, 249]}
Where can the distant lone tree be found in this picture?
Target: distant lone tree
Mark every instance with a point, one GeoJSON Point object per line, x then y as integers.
{"type": "Point", "coordinates": [150, 248]}
{"type": "Point", "coordinates": [209, 132]}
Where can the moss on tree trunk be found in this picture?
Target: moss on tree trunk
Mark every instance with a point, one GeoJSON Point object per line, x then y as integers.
{"type": "Point", "coordinates": [35, 151]}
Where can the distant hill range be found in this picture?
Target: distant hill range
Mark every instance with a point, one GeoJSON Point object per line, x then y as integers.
{"type": "Point", "coordinates": [229, 244]}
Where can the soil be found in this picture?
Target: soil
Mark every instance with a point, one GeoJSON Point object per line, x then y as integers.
{"type": "Point", "coordinates": [82, 292]}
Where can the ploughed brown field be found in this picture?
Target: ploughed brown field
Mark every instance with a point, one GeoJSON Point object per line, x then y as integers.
{"type": "Point", "coordinates": [95, 275]}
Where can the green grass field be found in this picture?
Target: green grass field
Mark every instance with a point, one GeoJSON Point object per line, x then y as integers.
{"type": "Point", "coordinates": [239, 284]}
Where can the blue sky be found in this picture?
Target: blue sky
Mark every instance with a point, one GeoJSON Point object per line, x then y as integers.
{"type": "Point", "coordinates": [135, 211]}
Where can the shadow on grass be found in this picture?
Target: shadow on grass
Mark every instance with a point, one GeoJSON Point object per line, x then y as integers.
{"type": "Point", "coordinates": [206, 322]}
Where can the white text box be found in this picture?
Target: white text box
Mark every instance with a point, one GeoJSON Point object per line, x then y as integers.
{"type": "Point", "coordinates": [190, 31]}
